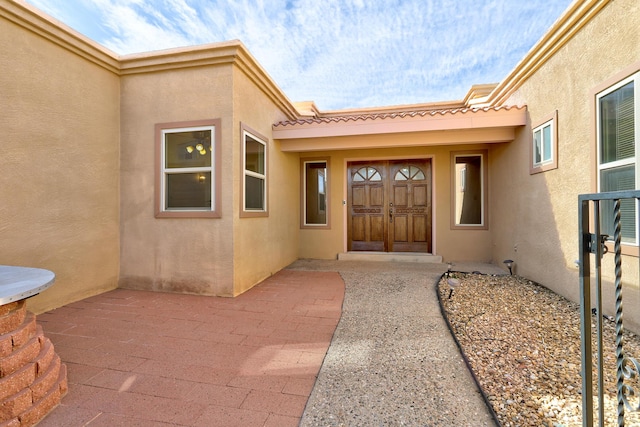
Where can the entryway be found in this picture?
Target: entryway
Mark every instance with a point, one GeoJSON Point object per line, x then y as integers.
{"type": "Point", "coordinates": [389, 206]}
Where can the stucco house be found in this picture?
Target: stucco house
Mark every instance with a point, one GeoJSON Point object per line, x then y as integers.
{"type": "Point", "coordinates": [189, 170]}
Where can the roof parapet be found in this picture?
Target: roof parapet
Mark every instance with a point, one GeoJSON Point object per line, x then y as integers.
{"type": "Point", "coordinates": [578, 14]}
{"type": "Point", "coordinates": [479, 94]}
{"type": "Point", "coordinates": [34, 20]}
{"type": "Point", "coordinates": [307, 109]}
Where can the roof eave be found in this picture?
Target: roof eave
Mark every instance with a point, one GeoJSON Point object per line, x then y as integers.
{"type": "Point", "coordinates": [441, 121]}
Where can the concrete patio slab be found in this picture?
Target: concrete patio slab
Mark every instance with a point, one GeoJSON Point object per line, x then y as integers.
{"type": "Point", "coordinates": [321, 343]}
{"type": "Point", "coordinates": [139, 358]}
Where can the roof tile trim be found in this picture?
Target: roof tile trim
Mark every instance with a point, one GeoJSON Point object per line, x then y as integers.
{"type": "Point", "coordinates": [391, 115]}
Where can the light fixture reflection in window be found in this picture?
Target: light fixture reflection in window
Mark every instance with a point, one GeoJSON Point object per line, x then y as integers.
{"type": "Point", "coordinates": [199, 147]}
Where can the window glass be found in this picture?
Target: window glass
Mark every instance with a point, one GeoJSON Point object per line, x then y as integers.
{"type": "Point", "coordinates": [543, 144]}
{"type": "Point", "coordinates": [367, 174]}
{"type": "Point", "coordinates": [537, 147]}
{"type": "Point", "coordinates": [255, 169]}
{"type": "Point", "coordinates": [618, 163]}
{"type": "Point", "coordinates": [315, 194]}
{"type": "Point", "coordinates": [254, 193]}
{"type": "Point", "coordinates": [188, 190]}
{"type": "Point", "coordinates": [469, 198]}
{"type": "Point", "coordinates": [409, 172]}
{"type": "Point", "coordinates": [617, 124]}
{"type": "Point", "coordinates": [617, 179]}
{"type": "Point", "coordinates": [546, 138]}
{"type": "Point", "coordinates": [187, 169]}
{"type": "Point", "coordinates": [254, 155]}
{"type": "Point", "coordinates": [188, 149]}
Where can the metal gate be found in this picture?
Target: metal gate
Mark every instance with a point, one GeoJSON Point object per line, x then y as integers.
{"type": "Point", "coordinates": [599, 214]}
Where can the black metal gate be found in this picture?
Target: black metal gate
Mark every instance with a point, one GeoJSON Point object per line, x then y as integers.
{"type": "Point", "coordinates": [600, 214]}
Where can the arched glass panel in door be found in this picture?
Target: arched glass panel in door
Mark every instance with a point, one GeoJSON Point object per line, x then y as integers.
{"type": "Point", "coordinates": [409, 173]}
{"type": "Point", "coordinates": [367, 174]}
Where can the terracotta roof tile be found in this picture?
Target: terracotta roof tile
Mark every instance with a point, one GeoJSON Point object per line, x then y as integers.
{"type": "Point", "coordinates": [388, 115]}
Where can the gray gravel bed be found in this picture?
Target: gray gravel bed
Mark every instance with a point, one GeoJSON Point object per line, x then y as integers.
{"type": "Point", "coordinates": [523, 343]}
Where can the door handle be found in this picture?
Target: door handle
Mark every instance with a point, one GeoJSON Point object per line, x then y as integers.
{"type": "Point", "coordinates": [390, 214]}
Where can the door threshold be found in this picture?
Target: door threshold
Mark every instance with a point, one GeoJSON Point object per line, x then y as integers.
{"type": "Point", "coordinates": [389, 256]}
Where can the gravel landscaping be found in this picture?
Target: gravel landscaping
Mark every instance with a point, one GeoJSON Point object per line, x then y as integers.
{"type": "Point", "coordinates": [522, 342]}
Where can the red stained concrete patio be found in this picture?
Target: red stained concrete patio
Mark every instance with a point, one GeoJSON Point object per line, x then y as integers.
{"type": "Point", "coordinates": [137, 358]}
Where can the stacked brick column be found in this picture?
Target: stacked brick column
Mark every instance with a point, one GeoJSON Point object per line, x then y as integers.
{"type": "Point", "coordinates": [32, 379]}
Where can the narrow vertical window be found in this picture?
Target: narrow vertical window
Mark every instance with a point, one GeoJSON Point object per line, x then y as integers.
{"type": "Point", "coordinates": [545, 145]}
{"type": "Point", "coordinates": [315, 197]}
{"type": "Point", "coordinates": [254, 178]}
{"type": "Point", "coordinates": [186, 172]}
{"type": "Point", "coordinates": [469, 190]}
{"type": "Point", "coordinates": [617, 118]}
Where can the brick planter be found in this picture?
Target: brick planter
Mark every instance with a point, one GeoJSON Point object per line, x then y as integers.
{"type": "Point", "coordinates": [32, 378]}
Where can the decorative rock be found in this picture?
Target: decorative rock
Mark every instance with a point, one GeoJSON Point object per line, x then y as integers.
{"type": "Point", "coordinates": [523, 344]}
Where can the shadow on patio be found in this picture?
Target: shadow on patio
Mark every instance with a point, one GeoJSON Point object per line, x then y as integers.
{"type": "Point", "coordinates": [146, 358]}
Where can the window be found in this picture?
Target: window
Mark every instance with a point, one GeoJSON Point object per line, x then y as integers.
{"type": "Point", "coordinates": [315, 193]}
{"type": "Point", "coordinates": [468, 188]}
{"type": "Point", "coordinates": [187, 175]}
{"type": "Point", "coordinates": [545, 145]}
{"type": "Point", "coordinates": [617, 118]}
{"type": "Point", "coordinates": [254, 177]}
{"type": "Point", "coordinates": [409, 172]}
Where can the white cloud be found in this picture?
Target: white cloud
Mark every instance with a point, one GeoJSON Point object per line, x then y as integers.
{"type": "Point", "coordinates": [339, 53]}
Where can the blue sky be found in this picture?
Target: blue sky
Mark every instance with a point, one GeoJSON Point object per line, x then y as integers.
{"type": "Point", "coordinates": [338, 53]}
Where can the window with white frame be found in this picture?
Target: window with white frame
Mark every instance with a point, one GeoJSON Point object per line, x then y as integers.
{"type": "Point", "coordinates": [315, 193]}
{"type": "Point", "coordinates": [544, 149]}
{"type": "Point", "coordinates": [542, 140]}
{"type": "Point", "coordinates": [186, 176]}
{"type": "Point", "coordinates": [618, 115]}
{"type": "Point", "coordinates": [254, 179]}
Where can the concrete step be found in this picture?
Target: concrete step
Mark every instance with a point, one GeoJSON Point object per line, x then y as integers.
{"type": "Point", "coordinates": [390, 256]}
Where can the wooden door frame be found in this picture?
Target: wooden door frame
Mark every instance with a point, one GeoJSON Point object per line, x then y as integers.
{"type": "Point", "coordinates": [345, 218]}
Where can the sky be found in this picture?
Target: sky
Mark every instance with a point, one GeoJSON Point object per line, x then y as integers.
{"type": "Point", "coordinates": [338, 53]}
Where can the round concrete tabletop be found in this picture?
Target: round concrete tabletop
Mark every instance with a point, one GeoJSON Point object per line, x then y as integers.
{"type": "Point", "coordinates": [17, 283]}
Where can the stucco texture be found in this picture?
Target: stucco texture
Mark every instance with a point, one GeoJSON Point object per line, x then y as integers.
{"type": "Point", "coordinates": [265, 244]}
{"type": "Point", "coordinates": [60, 166]}
{"type": "Point", "coordinates": [192, 255]}
{"type": "Point", "coordinates": [535, 217]}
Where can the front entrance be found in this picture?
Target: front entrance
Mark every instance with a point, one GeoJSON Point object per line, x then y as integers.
{"type": "Point", "coordinates": [389, 206]}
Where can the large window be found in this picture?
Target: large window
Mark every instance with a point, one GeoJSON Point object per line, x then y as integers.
{"type": "Point", "coordinates": [544, 150]}
{"type": "Point", "coordinates": [468, 188]}
{"type": "Point", "coordinates": [315, 193]}
{"type": "Point", "coordinates": [187, 173]}
{"type": "Point", "coordinates": [617, 134]}
{"type": "Point", "coordinates": [254, 177]}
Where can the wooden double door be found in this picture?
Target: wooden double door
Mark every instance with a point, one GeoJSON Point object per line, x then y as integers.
{"type": "Point", "coordinates": [389, 206]}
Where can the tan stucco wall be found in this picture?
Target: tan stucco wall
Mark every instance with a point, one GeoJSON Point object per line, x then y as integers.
{"type": "Point", "coordinates": [262, 245]}
{"type": "Point", "coordinates": [60, 164]}
{"type": "Point", "coordinates": [535, 217]}
{"type": "Point", "coordinates": [192, 255]}
{"type": "Point", "coordinates": [452, 245]}
{"type": "Point", "coordinates": [64, 118]}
